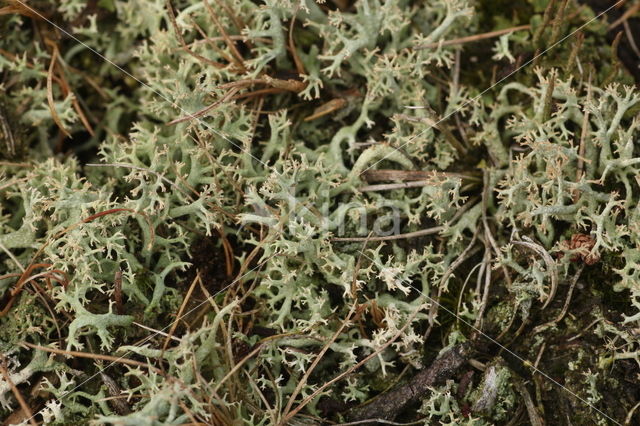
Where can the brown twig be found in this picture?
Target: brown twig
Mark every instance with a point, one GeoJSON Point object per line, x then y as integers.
{"type": "Point", "coordinates": [185, 47]}
{"type": "Point", "coordinates": [90, 355]}
{"type": "Point", "coordinates": [534, 416]}
{"type": "Point", "coordinates": [625, 16]}
{"type": "Point", "coordinates": [228, 96]}
{"type": "Point", "coordinates": [16, 392]}
{"type": "Point", "coordinates": [567, 301]}
{"type": "Point", "coordinates": [16, 7]}
{"type": "Point", "coordinates": [473, 38]}
{"type": "Point", "coordinates": [333, 338]}
{"type": "Point", "coordinates": [210, 42]}
{"type": "Point", "coordinates": [292, 46]}
{"type": "Point", "coordinates": [238, 59]}
{"type": "Point", "coordinates": [583, 139]}
{"type": "Point", "coordinates": [351, 369]}
{"type": "Point", "coordinates": [51, 102]}
{"type": "Point", "coordinates": [66, 91]}
{"type": "Point", "coordinates": [392, 186]}
{"type": "Point", "coordinates": [327, 108]}
{"type": "Point", "coordinates": [574, 51]}
{"type": "Point", "coordinates": [388, 405]}
{"type": "Point", "coordinates": [546, 19]}
{"type": "Point", "coordinates": [410, 175]}
{"type": "Point", "coordinates": [257, 349]}
{"type": "Point", "coordinates": [631, 39]}
{"type": "Point", "coordinates": [551, 265]}
{"type": "Point", "coordinates": [548, 95]}
{"type": "Point", "coordinates": [228, 251]}
{"type": "Point", "coordinates": [260, 92]}
{"type": "Point", "coordinates": [117, 291]}
{"type": "Point", "coordinates": [24, 277]}
{"type": "Point", "coordinates": [558, 21]}
{"type": "Point", "coordinates": [420, 233]}
{"type": "Point", "coordinates": [238, 22]}
{"type": "Point", "coordinates": [615, 59]}
{"type": "Point", "coordinates": [121, 407]}
{"type": "Point", "coordinates": [441, 127]}
{"type": "Point", "coordinates": [172, 330]}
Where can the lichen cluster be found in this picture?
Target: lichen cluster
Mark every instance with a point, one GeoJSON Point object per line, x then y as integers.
{"type": "Point", "coordinates": [271, 212]}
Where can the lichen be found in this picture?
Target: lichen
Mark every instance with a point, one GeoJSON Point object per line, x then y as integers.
{"type": "Point", "coordinates": [274, 211]}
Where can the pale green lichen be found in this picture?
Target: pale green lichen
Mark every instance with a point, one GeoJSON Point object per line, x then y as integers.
{"type": "Point", "coordinates": [291, 204]}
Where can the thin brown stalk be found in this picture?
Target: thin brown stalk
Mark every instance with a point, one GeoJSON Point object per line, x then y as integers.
{"type": "Point", "coordinates": [625, 16]}
{"type": "Point", "coordinates": [159, 332]}
{"type": "Point", "coordinates": [574, 51]}
{"type": "Point", "coordinates": [243, 38]}
{"type": "Point", "coordinates": [244, 360]}
{"type": "Point", "coordinates": [462, 290]}
{"type": "Point", "coordinates": [179, 314]}
{"type": "Point", "coordinates": [558, 21]}
{"type": "Point", "coordinates": [325, 348]}
{"type": "Point", "coordinates": [24, 277]}
{"type": "Point", "coordinates": [260, 394]}
{"type": "Point", "coordinates": [327, 108]}
{"type": "Point", "coordinates": [476, 37]}
{"type": "Point", "coordinates": [546, 19]}
{"type": "Point", "coordinates": [16, 392]}
{"type": "Point", "coordinates": [548, 96]}
{"type": "Point", "coordinates": [238, 59]}
{"type": "Point", "coordinates": [189, 413]}
{"type": "Point", "coordinates": [110, 358]}
{"type": "Point", "coordinates": [351, 369]}
{"type": "Point", "coordinates": [486, 192]}
{"type": "Point", "coordinates": [195, 194]}
{"type": "Point", "coordinates": [442, 128]}
{"type": "Point", "coordinates": [66, 90]}
{"type": "Point", "coordinates": [534, 416]}
{"type": "Point", "coordinates": [409, 175]}
{"type": "Point", "coordinates": [242, 83]}
{"type": "Point", "coordinates": [117, 291]}
{"type": "Point", "coordinates": [185, 47]}
{"type": "Point", "coordinates": [420, 233]}
{"type": "Point", "coordinates": [467, 253]}
{"type": "Point", "coordinates": [50, 100]}
{"type": "Point", "coordinates": [392, 186]}
{"type": "Point", "coordinates": [16, 7]}
{"type": "Point", "coordinates": [12, 257]}
{"type": "Point", "coordinates": [551, 265]}
{"type": "Point", "coordinates": [539, 357]}
{"type": "Point", "coordinates": [227, 333]}
{"type": "Point", "coordinates": [269, 91]}
{"type": "Point", "coordinates": [631, 39]}
{"type": "Point", "coordinates": [615, 59]}
{"type": "Point", "coordinates": [485, 293]}
{"type": "Point", "coordinates": [12, 164]}
{"type": "Point", "coordinates": [238, 22]}
{"type": "Point", "coordinates": [210, 42]}
{"type": "Point", "coordinates": [584, 133]}
{"type": "Point", "coordinates": [228, 96]}
{"type": "Point", "coordinates": [292, 46]}
{"type": "Point", "coordinates": [228, 251]}
{"type": "Point", "coordinates": [42, 295]}
{"type": "Point", "coordinates": [565, 307]}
